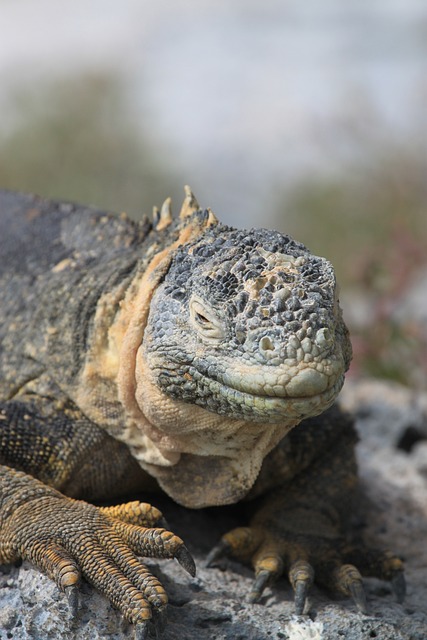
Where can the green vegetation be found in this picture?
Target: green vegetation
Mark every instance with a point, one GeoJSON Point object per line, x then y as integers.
{"type": "Point", "coordinates": [76, 140]}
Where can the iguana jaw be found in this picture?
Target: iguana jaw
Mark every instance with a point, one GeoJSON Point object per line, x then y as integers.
{"type": "Point", "coordinates": [201, 458]}
{"type": "Point", "coordinates": [256, 393]}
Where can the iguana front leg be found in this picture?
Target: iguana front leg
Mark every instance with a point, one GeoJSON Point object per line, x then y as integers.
{"type": "Point", "coordinates": [303, 528]}
{"type": "Point", "coordinates": [68, 538]}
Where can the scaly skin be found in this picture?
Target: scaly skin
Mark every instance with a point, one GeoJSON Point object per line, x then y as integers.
{"type": "Point", "coordinates": [178, 353]}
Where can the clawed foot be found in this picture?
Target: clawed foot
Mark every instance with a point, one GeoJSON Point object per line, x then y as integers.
{"type": "Point", "coordinates": [116, 569]}
{"type": "Point", "coordinates": [68, 539]}
{"type": "Point", "coordinates": [308, 559]}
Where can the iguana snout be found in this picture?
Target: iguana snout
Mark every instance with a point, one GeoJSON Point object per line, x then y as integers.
{"type": "Point", "coordinates": [247, 324]}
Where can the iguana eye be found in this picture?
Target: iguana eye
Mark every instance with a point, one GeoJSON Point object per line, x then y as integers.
{"type": "Point", "coordinates": [201, 318]}
{"type": "Point", "coordinates": [204, 319]}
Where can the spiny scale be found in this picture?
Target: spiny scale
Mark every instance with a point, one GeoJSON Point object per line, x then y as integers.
{"type": "Point", "coordinates": [165, 215]}
{"type": "Point", "coordinates": [190, 204]}
{"type": "Point", "coordinates": [162, 218]}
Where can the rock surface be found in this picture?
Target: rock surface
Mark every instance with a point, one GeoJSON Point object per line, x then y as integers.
{"type": "Point", "coordinates": [392, 422]}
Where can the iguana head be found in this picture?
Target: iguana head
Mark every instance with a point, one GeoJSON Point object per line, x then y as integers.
{"type": "Point", "coordinates": [244, 339]}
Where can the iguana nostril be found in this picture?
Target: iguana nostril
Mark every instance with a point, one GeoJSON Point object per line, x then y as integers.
{"type": "Point", "coordinates": [266, 344]}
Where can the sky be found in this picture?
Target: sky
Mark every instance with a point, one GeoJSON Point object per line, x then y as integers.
{"type": "Point", "coordinates": [242, 95]}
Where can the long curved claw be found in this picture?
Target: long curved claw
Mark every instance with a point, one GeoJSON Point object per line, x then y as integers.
{"type": "Point", "coordinates": [186, 561]}
{"type": "Point", "coordinates": [398, 584]}
{"type": "Point", "coordinates": [141, 630]}
{"type": "Point", "coordinates": [359, 597]}
{"type": "Point", "coordinates": [72, 593]}
{"type": "Point", "coordinates": [162, 523]}
{"type": "Point", "coordinates": [219, 551]}
{"type": "Point", "coordinates": [349, 581]}
{"type": "Point", "coordinates": [301, 577]}
{"type": "Point", "coordinates": [258, 586]}
{"type": "Point", "coordinates": [160, 619]}
{"type": "Point", "coordinates": [302, 588]}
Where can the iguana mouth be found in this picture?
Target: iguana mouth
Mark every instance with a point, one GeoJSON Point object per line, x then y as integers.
{"type": "Point", "coordinates": [254, 403]}
{"type": "Point", "coordinates": [283, 381]}
{"type": "Point", "coordinates": [259, 392]}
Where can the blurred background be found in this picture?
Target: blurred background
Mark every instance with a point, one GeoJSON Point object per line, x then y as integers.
{"type": "Point", "coordinates": [310, 117]}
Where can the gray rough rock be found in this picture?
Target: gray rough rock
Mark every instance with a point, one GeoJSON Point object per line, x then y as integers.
{"type": "Point", "coordinates": [392, 423]}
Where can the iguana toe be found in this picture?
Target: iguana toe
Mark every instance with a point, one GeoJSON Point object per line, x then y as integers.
{"type": "Point", "coordinates": [379, 563]}
{"type": "Point", "coordinates": [56, 562]}
{"type": "Point", "coordinates": [348, 581]}
{"type": "Point", "coordinates": [142, 514]}
{"type": "Point", "coordinates": [261, 581]}
{"type": "Point", "coordinates": [241, 543]}
{"type": "Point", "coordinates": [301, 577]}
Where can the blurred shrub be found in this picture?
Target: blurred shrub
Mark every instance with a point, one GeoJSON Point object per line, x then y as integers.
{"type": "Point", "coordinates": [358, 215]}
{"type": "Point", "coordinates": [77, 140]}
{"type": "Point", "coordinates": [370, 220]}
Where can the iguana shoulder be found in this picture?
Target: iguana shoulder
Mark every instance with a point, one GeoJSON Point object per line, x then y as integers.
{"type": "Point", "coordinates": [47, 251]}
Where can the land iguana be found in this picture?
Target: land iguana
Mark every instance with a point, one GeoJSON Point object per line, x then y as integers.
{"type": "Point", "coordinates": [181, 354]}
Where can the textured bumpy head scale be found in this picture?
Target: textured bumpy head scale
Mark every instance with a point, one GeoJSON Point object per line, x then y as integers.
{"type": "Point", "coordinates": [244, 339]}
{"type": "Point", "coordinates": [235, 311]}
